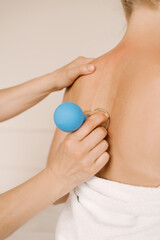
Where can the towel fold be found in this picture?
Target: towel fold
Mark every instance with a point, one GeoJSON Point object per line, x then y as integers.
{"type": "Point", "coordinates": [101, 209]}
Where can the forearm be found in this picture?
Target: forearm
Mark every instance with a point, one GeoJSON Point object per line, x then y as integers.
{"type": "Point", "coordinates": [17, 99]}
{"type": "Point", "coordinates": [20, 204]}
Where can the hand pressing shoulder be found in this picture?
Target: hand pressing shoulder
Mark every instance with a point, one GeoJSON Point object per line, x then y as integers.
{"type": "Point", "coordinates": [94, 91]}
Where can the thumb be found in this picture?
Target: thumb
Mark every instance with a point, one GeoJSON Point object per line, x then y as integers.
{"type": "Point", "coordinates": [84, 69]}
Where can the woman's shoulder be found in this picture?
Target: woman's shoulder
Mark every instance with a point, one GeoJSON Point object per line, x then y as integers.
{"type": "Point", "coordinates": [105, 66]}
{"type": "Point", "coordinates": [92, 91]}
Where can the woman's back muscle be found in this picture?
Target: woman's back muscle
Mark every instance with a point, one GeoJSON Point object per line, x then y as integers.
{"type": "Point", "coordinates": [127, 86]}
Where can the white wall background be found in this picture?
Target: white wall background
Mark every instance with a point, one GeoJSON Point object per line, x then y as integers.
{"type": "Point", "coordinates": [36, 37]}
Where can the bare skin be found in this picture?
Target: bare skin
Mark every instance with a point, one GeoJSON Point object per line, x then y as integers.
{"type": "Point", "coordinates": [127, 84]}
{"type": "Point", "coordinates": [79, 156]}
{"type": "Point", "coordinates": [17, 99]}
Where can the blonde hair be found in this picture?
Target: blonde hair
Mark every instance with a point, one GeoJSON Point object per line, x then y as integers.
{"type": "Point", "coordinates": [130, 5]}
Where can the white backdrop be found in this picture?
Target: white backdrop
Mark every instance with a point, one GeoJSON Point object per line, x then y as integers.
{"type": "Point", "coordinates": [37, 37]}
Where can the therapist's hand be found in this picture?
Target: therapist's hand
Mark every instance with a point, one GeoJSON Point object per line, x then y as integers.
{"type": "Point", "coordinates": [81, 155]}
{"type": "Point", "coordinates": [17, 99]}
{"type": "Point", "coordinates": [66, 75]}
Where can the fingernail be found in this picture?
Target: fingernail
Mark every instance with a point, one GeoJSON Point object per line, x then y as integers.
{"type": "Point", "coordinates": [91, 67]}
{"type": "Point", "coordinates": [106, 114]}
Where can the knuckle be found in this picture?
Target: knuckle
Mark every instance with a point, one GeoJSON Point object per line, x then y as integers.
{"type": "Point", "coordinates": [90, 122]}
{"type": "Point", "coordinates": [67, 143]}
{"type": "Point", "coordinates": [80, 57]}
{"type": "Point", "coordinates": [92, 170]}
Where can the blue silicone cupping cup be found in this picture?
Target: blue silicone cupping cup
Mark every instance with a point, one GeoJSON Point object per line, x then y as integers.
{"type": "Point", "coordinates": [69, 117]}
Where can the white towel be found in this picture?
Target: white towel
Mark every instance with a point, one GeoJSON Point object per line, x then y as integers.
{"type": "Point", "coordinates": [101, 209]}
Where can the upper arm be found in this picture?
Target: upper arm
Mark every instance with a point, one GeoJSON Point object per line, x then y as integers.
{"type": "Point", "coordinates": [81, 92]}
{"type": "Point", "coordinates": [89, 92]}
{"type": "Point", "coordinates": [78, 93]}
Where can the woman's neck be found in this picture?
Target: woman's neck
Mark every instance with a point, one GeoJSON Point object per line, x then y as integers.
{"type": "Point", "coordinates": [143, 31]}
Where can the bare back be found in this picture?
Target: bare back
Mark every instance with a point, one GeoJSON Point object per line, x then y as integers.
{"type": "Point", "coordinates": [128, 87]}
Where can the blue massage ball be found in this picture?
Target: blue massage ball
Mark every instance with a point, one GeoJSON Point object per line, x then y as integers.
{"type": "Point", "coordinates": [69, 117]}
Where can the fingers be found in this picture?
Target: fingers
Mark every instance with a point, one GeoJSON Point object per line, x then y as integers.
{"type": "Point", "coordinates": [79, 61]}
{"type": "Point", "coordinates": [91, 123]}
{"type": "Point", "coordinates": [95, 137]}
{"type": "Point", "coordinates": [74, 73]}
{"type": "Point", "coordinates": [99, 163]}
{"type": "Point", "coordinates": [82, 59]}
{"type": "Point", "coordinates": [80, 66]}
{"type": "Point", "coordinates": [98, 150]}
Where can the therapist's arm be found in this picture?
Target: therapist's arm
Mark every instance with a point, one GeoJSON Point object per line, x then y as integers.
{"type": "Point", "coordinates": [80, 156]}
{"type": "Point", "coordinates": [20, 204]}
{"type": "Point", "coordinates": [17, 99]}
{"type": "Point", "coordinates": [58, 137]}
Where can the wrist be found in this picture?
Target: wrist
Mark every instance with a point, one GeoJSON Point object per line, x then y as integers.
{"type": "Point", "coordinates": [50, 82]}
{"type": "Point", "coordinates": [44, 85]}
{"type": "Point", "coordinates": [57, 184]}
